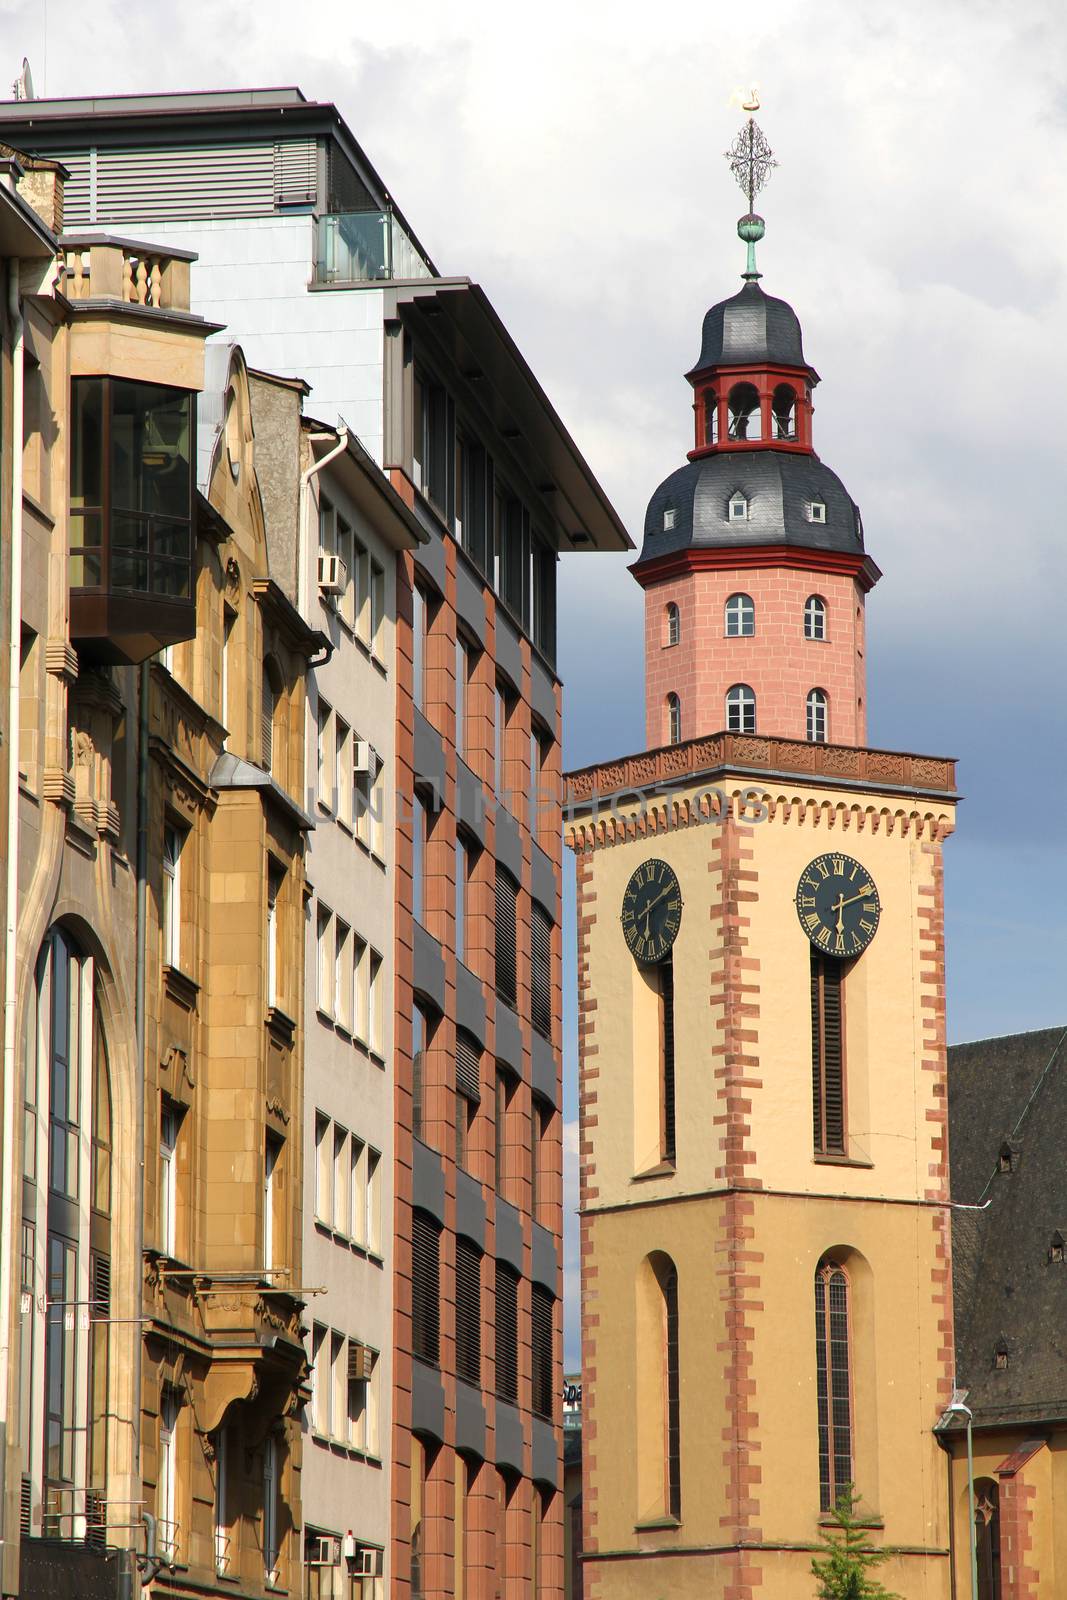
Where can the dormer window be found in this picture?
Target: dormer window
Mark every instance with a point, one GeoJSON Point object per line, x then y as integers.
{"type": "Point", "coordinates": [1006, 1158]}
{"type": "Point", "coordinates": [738, 507]}
{"type": "Point", "coordinates": [670, 519]}
{"type": "Point", "coordinates": [816, 511]}
{"type": "Point", "coordinates": [1000, 1357]}
{"type": "Point", "coordinates": [1055, 1249]}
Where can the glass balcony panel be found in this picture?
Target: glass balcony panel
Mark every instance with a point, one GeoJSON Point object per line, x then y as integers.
{"type": "Point", "coordinates": [87, 443]}
{"type": "Point", "coordinates": [129, 572]}
{"type": "Point", "coordinates": [171, 578]}
{"type": "Point", "coordinates": [364, 247]}
{"type": "Point", "coordinates": [85, 569]}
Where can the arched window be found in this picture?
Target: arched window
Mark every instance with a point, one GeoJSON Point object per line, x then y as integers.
{"type": "Point", "coordinates": [784, 410]}
{"type": "Point", "coordinates": [673, 623]}
{"type": "Point", "coordinates": [674, 719]}
{"type": "Point", "coordinates": [814, 617]}
{"type": "Point", "coordinates": [740, 617]}
{"type": "Point", "coordinates": [987, 1537]}
{"type": "Point", "coordinates": [711, 417]}
{"type": "Point", "coordinates": [740, 709]}
{"type": "Point", "coordinates": [68, 1087]}
{"type": "Point", "coordinates": [268, 707]}
{"type": "Point", "coordinates": [658, 1390]}
{"type": "Point", "coordinates": [744, 405]}
{"type": "Point", "coordinates": [818, 716]}
{"type": "Point", "coordinates": [833, 1366]}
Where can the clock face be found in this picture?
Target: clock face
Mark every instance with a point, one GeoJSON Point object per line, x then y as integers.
{"type": "Point", "coordinates": [651, 911]}
{"type": "Point", "coordinates": [838, 905]}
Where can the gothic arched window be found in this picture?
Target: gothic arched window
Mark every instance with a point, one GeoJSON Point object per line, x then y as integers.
{"type": "Point", "coordinates": [815, 617]}
{"type": "Point", "coordinates": [833, 1366]}
{"type": "Point", "coordinates": [744, 405]}
{"type": "Point", "coordinates": [740, 709]}
{"type": "Point", "coordinates": [674, 719]}
{"type": "Point", "coordinates": [818, 710]}
{"type": "Point", "coordinates": [740, 617]}
{"type": "Point", "coordinates": [659, 1389]}
{"type": "Point", "coordinates": [987, 1537]}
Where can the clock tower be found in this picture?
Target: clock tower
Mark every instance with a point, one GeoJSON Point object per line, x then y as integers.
{"type": "Point", "coordinates": [766, 1287]}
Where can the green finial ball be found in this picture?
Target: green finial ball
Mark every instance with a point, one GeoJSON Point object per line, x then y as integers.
{"type": "Point", "coordinates": [751, 228]}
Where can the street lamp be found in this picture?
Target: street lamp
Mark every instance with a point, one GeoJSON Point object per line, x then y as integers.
{"type": "Point", "coordinates": [956, 1407]}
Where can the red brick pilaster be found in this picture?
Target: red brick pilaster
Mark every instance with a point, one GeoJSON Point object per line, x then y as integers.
{"type": "Point", "coordinates": [588, 1095]}
{"type": "Point", "coordinates": [1019, 1580]}
{"type": "Point", "coordinates": [931, 916]}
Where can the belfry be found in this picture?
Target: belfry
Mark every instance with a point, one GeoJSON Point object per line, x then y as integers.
{"type": "Point", "coordinates": [766, 1282]}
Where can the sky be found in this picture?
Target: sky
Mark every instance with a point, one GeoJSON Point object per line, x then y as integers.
{"type": "Point", "coordinates": [569, 158]}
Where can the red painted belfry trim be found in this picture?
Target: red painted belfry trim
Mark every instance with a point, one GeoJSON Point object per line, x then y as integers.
{"type": "Point", "coordinates": [798, 558]}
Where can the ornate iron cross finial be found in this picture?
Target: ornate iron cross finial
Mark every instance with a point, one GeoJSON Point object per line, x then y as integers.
{"type": "Point", "coordinates": [751, 162]}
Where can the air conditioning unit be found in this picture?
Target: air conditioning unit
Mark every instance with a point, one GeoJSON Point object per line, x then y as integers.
{"type": "Point", "coordinates": [360, 1362]}
{"type": "Point", "coordinates": [366, 759]}
{"type": "Point", "coordinates": [333, 574]}
{"type": "Point", "coordinates": [324, 1551]}
{"type": "Point", "coordinates": [364, 1560]}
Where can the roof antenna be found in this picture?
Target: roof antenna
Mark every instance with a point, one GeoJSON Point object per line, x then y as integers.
{"type": "Point", "coordinates": [22, 88]}
{"type": "Point", "coordinates": [751, 160]}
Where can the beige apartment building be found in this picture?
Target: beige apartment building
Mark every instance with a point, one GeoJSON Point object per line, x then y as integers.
{"type": "Point", "coordinates": [150, 1271]}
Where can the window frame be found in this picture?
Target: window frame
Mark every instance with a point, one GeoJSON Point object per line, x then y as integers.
{"type": "Point", "coordinates": [739, 616]}
{"type": "Point", "coordinates": [740, 709]}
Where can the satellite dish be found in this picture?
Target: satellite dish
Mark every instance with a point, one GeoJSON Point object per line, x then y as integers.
{"type": "Point", "coordinates": [22, 88]}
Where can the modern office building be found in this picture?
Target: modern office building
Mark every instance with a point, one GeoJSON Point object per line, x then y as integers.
{"type": "Point", "coordinates": [303, 254]}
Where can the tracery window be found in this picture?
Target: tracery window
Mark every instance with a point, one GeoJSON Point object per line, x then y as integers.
{"type": "Point", "coordinates": [833, 1363]}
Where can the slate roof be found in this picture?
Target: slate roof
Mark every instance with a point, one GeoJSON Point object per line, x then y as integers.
{"type": "Point", "coordinates": [1010, 1091]}
{"type": "Point", "coordinates": [751, 327]}
{"type": "Point", "coordinates": [778, 485]}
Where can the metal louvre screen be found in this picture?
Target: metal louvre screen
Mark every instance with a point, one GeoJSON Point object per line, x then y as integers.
{"type": "Point", "coordinates": [425, 1287]}
{"type": "Point", "coordinates": [507, 892]}
{"type": "Point", "coordinates": [468, 1311]}
{"type": "Point", "coordinates": [827, 1055]}
{"type": "Point", "coordinates": [543, 1350]}
{"type": "Point", "coordinates": [164, 185]}
{"type": "Point", "coordinates": [468, 1066]}
{"type": "Point", "coordinates": [507, 1333]}
{"type": "Point", "coordinates": [295, 173]}
{"type": "Point", "coordinates": [666, 991]}
{"type": "Point", "coordinates": [834, 1385]}
{"type": "Point", "coordinates": [541, 971]}
{"type": "Point", "coordinates": [76, 196]}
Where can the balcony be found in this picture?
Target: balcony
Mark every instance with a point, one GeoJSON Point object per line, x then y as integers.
{"type": "Point", "coordinates": [104, 268]}
{"type": "Point", "coordinates": [365, 247]}
{"type": "Point", "coordinates": [131, 536]}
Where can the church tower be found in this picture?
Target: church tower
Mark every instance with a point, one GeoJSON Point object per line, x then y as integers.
{"type": "Point", "coordinates": [766, 1291]}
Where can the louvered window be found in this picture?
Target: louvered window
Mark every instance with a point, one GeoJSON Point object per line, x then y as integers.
{"type": "Point", "coordinates": [468, 1311]}
{"type": "Point", "coordinates": [266, 723]}
{"type": "Point", "coordinates": [543, 1350]}
{"type": "Point", "coordinates": [100, 1297]}
{"type": "Point", "coordinates": [666, 990]}
{"type": "Point", "coordinates": [507, 891]}
{"type": "Point", "coordinates": [674, 1409]}
{"type": "Point", "coordinates": [468, 1090]}
{"type": "Point", "coordinates": [507, 1333]}
{"type": "Point", "coordinates": [425, 1287]}
{"type": "Point", "coordinates": [827, 1055]}
{"type": "Point", "coordinates": [832, 1358]}
{"type": "Point", "coordinates": [295, 168]}
{"type": "Point", "coordinates": [26, 1507]}
{"type": "Point", "coordinates": [541, 971]}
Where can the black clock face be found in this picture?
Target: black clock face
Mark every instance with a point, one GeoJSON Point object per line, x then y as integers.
{"type": "Point", "coordinates": [838, 905]}
{"type": "Point", "coordinates": [651, 911]}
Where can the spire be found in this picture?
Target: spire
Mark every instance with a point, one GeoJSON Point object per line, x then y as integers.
{"type": "Point", "coordinates": [751, 159]}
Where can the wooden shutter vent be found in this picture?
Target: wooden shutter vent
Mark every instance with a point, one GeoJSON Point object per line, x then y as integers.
{"type": "Point", "coordinates": [666, 991]}
{"type": "Point", "coordinates": [468, 1066]}
{"type": "Point", "coordinates": [425, 1287]}
{"type": "Point", "coordinates": [827, 1055]}
{"type": "Point", "coordinates": [541, 971]}
{"type": "Point", "coordinates": [468, 1311]}
{"type": "Point", "coordinates": [506, 895]}
{"type": "Point", "coordinates": [543, 1350]}
{"type": "Point", "coordinates": [507, 1333]}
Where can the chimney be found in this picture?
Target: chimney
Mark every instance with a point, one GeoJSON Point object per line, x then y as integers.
{"type": "Point", "coordinates": [40, 183]}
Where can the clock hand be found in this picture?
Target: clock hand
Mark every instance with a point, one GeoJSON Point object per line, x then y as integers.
{"type": "Point", "coordinates": [864, 894]}
{"type": "Point", "coordinates": [838, 906]}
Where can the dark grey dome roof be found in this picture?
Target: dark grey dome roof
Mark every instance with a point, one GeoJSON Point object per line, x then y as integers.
{"type": "Point", "coordinates": [751, 327]}
{"type": "Point", "coordinates": [779, 486]}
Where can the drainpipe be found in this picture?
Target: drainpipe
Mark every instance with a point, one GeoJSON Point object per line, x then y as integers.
{"type": "Point", "coordinates": [8, 1209]}
{"type": "Point", "coordinates": [139, 1031]}
{"type": "Point", "coordinates": [302, 599]}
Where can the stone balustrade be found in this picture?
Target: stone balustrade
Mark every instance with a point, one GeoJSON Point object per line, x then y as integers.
{"type": "Point", "coordinates": [106, 268]}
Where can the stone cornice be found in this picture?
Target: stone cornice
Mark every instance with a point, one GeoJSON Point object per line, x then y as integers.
{"type": "Point", "coordinates": [736, 558]}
